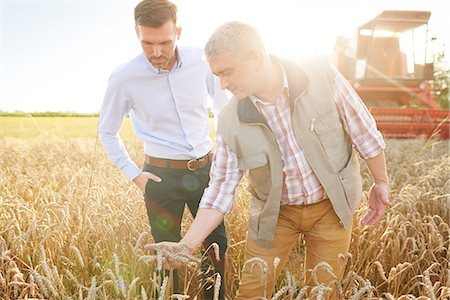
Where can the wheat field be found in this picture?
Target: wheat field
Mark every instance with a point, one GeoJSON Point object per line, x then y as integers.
{"type": "Point", "coordinates": [73, 227]}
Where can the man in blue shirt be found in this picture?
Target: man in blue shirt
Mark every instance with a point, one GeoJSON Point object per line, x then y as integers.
{"type": "Point", "coordinates": [165, 91]}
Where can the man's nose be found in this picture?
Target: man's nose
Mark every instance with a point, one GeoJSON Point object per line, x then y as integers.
{"type": "Point", "coordinates": [157, 50]}
{"type": "Point", "coordinates": [223, 84]}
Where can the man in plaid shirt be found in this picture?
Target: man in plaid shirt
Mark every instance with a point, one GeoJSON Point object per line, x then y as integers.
{"type": "Point", "coordinates": [295, 131]}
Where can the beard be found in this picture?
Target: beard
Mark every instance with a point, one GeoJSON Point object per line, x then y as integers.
{"type": "Point", "coordinates": [161, 62]}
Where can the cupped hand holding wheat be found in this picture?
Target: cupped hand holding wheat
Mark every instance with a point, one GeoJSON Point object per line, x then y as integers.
{"type": "Point", "coordinates": [175, 255]}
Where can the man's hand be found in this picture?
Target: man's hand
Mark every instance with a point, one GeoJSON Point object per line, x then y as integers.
{"type": "Point", "coordinates": [175, 254]}
{"type": "Point", "coordinates": [142, 179]}
{"type": "Point", "coordinates": [378, 200]}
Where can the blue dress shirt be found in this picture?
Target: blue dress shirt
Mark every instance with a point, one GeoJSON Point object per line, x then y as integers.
{"type": "Point", "coordinates": [168, 109]}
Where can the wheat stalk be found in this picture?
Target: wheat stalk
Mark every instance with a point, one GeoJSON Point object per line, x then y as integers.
{"type": "Point", "coordinates": [217, 284]}
{"type": "Point", "coordinates": [162, 290]}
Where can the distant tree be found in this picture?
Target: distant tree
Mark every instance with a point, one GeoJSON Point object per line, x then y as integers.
{"type": "Point", "coordinates": [441, 82]}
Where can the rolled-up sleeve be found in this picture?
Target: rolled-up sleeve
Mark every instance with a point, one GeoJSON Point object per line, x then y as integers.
{"type": "Point", "coordinates": [225, 177]}
{"type": "Point", "coordinates": [360, 124]}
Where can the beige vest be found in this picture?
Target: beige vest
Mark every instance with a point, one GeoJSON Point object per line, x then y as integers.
{"type": "Point", "coordinates": [320, 133]}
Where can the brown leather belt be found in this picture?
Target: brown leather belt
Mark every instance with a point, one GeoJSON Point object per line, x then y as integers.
{"type": "Point", "coordinates": [191, 165]}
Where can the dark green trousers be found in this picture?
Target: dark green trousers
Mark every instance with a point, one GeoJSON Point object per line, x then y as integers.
{"type": "Point", "coordinates": [165, 202]}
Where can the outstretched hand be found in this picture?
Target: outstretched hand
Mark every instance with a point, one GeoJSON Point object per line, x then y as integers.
{"type": "Point", "coordinates": [175, 255]}
{"type": "Point", "coordinates": [378, 201]}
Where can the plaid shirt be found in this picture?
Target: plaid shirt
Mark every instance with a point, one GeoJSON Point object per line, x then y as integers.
{"type": "Point", "coordinates": [300, 185]}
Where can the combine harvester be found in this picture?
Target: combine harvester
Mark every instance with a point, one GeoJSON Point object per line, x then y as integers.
{"type": "Point", "coordinates": [390, 67]}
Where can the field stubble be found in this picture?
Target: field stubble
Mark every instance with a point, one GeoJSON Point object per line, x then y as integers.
{"type": "Point", "coordinates": [73, 227]}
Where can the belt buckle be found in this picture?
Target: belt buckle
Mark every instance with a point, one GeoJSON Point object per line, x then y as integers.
{"type": "Point", "coordinates": [188, 165]}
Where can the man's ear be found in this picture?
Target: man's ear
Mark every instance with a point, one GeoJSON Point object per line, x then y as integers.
{"type": "Point", "coordinates": [179, 29]}
{"type": "Point", "coordinates": [257, 59]}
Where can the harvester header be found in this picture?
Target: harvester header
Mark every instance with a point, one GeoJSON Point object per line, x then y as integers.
{"type": "Point", "coordinates": [390, 65]}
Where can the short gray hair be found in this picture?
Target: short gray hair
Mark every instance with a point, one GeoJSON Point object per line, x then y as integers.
{"type": "Point", "coordinates": [239, 38]}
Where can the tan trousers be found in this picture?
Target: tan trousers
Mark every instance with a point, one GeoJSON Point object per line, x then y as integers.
{"type": "Point", "coordinates": [325, 239]}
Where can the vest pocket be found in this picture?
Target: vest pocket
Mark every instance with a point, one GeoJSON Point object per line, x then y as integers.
{"type": "Point", "coordinates": [252, 161]}
{"type": "Point", "coordinates": [326, 122]}
{"type": "Point", "coordinates": [329, 130]}
{"type": "Point", "coordinates": [258, 174]}
{"type": "Point", "coordinates": [351, 181]}
{"type": "Point", "coordinates": [256, 207]}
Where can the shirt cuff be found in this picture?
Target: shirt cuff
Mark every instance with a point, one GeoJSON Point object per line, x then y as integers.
{"type": "Point", "coordinates": [370, 149]}
{"type": "Point", "coordinates": [131, 171]}
{"type": "Point", "coordinates": [223, 209]}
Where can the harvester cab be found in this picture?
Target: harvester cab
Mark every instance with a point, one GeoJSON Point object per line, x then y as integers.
{"type": "Point", "coordinates": [390, 65]}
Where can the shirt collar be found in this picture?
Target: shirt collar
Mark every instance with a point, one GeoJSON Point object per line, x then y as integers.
{"type": "Point", "coordinates": [179, 62]}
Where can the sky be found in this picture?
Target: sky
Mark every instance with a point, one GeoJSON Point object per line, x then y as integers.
{"type": "Point", "coordinates": [57, 55]}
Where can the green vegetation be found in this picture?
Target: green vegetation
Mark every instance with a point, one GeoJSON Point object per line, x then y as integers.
{"type": "Point", "coordinates": [441, 83]}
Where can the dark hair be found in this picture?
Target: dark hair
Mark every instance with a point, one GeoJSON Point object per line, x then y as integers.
{"type": "Point", "coordinates": [155, 13]}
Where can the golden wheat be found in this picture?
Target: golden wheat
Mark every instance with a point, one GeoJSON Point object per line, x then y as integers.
{"type": "Point", "coordinates": [72, 226]}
